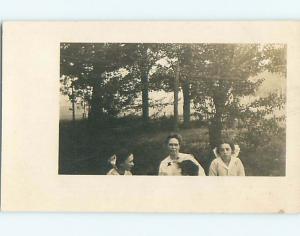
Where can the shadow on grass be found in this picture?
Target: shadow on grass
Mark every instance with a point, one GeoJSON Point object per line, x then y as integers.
{"type": "Point", "coordinates": [84, 148]}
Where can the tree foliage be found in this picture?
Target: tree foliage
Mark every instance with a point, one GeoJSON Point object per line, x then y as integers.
{"type": "Point", "coordinates": [224, 75]}
{"type": "Point", "coordinates": [95, 75]}
{"type": "Point", "coordinates": [215, 78]}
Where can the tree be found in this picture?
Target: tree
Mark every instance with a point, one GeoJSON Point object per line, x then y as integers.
{"type": "Point", "coordinates": [174, 76]}
{"type": "Point", "coordinates": [226, 71]}
{"type": "Point", "coordinates": [77, 92]}
{"type": "Point", "coordinates": [142, 59]}
{"type": "Point", "coordinates": [95, 70]}
{"type": "Point", "coordinates": [187, 66]}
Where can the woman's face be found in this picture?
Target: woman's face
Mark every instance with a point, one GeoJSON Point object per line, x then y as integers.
{"type": "Point", "coordinates": [173, 146]}
{"type": "Point", "coordinates": [128, 164]}
{"type": "Point", "coordinates": [225, 151]}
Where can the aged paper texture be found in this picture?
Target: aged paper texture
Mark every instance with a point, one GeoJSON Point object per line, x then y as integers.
{"type": "Point", "coordinates": [31, 176]}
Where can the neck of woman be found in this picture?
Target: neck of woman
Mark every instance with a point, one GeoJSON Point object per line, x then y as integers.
{"type": "Point", "coordinates": [226, 160]}
{"type": "Point", "coordinates": [174, 156]}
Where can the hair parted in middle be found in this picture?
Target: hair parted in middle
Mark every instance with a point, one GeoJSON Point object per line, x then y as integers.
{"type": "Point", "coordinates": [174, 135]}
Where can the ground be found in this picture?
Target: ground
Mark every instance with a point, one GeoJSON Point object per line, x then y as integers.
{"type": "Point", "coordinates": [85, 148]}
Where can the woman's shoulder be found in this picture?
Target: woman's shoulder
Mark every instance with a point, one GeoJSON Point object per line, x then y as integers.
{"type": "Point", "coordinates": [186, 156]}
{"type": "Point", "coordinates": [165, 160]}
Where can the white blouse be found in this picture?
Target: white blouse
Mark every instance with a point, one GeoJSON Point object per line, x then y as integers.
{"type": "Point", "coordinates": [169, 166]}
{"type": "Point", "coordinates": [219, 168]}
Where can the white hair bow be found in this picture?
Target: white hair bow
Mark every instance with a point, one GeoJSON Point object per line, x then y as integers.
{"type": "Point", "coordinates": [112, 160]}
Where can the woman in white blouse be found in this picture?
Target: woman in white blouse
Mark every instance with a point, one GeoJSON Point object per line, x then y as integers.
{"type": "Point", "coordinates": [171, 164]}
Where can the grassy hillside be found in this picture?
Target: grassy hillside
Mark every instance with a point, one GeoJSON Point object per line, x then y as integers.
{"type": "Point", "coordinates": [84, 149]}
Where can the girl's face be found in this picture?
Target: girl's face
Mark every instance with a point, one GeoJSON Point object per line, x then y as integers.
{"type": "Point", "coordinates": [173, 146]}
{"type": "Point", "coordinates": [225, 151]}
{"type": "Point", "coordinates": [128, 164]}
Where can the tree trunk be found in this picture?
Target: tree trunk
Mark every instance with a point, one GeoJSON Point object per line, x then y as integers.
{"type": "Point", "coordinates": [73, 103]}
{"type": "Point", "coordinates": [84, 110]}
{"type": "Point", "coordinates": [176, 90]}
{"type": "Point", "coordinates": [145, 97]}
{"type": "Point", "coordinates": [215, 129]}
{"type": "Point", "coordinates": [95, 107]}
{"type": "Point", "coordinates": [186, 104]}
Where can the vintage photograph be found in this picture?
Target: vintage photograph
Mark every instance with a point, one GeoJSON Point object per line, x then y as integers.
{"type": "Point", "coordinates": [176, 117]}
{"type": "Point", "coordinates": [190, 109]}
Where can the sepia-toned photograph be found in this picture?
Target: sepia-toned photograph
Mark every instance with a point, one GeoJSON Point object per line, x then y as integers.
{"type": "Point", "coordinates": [175, 109]}
{"type": "Point", "coordinates": [147, 116]}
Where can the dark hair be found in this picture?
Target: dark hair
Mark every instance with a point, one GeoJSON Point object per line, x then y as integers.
{"type": "Point", "coordinates": [222, 142]}
{"type": "Point", "coordinates": [173, 135]}
{"type": "Point", "coordinates": [188, 168]}
{"type": "Point", "coordinates": [122, 155]}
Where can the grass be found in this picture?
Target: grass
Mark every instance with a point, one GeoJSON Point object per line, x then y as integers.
{"type": "Point", "coordinates": [85, 148]}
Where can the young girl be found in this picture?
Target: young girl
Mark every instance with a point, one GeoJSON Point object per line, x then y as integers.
{"type": "Point", "coordinates": [121, 163]}
{"type": "Point", "coordinates": [226, 162]}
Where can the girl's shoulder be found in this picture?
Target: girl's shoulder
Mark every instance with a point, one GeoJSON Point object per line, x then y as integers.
{"type": "Point", "coordinates": [238, 161]}
{"type": "Point", "coordinates": [216, 161]}
{"type": "Point", "coordinates": [113, 171]}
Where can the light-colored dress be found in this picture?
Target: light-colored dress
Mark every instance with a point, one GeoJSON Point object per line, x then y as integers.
{"type": "Point", "coordinates": [235, 167]}
{"type": "Point", "coordinates": [169, 166]}
{"type": "Point", "coordinates": [114, 171]}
